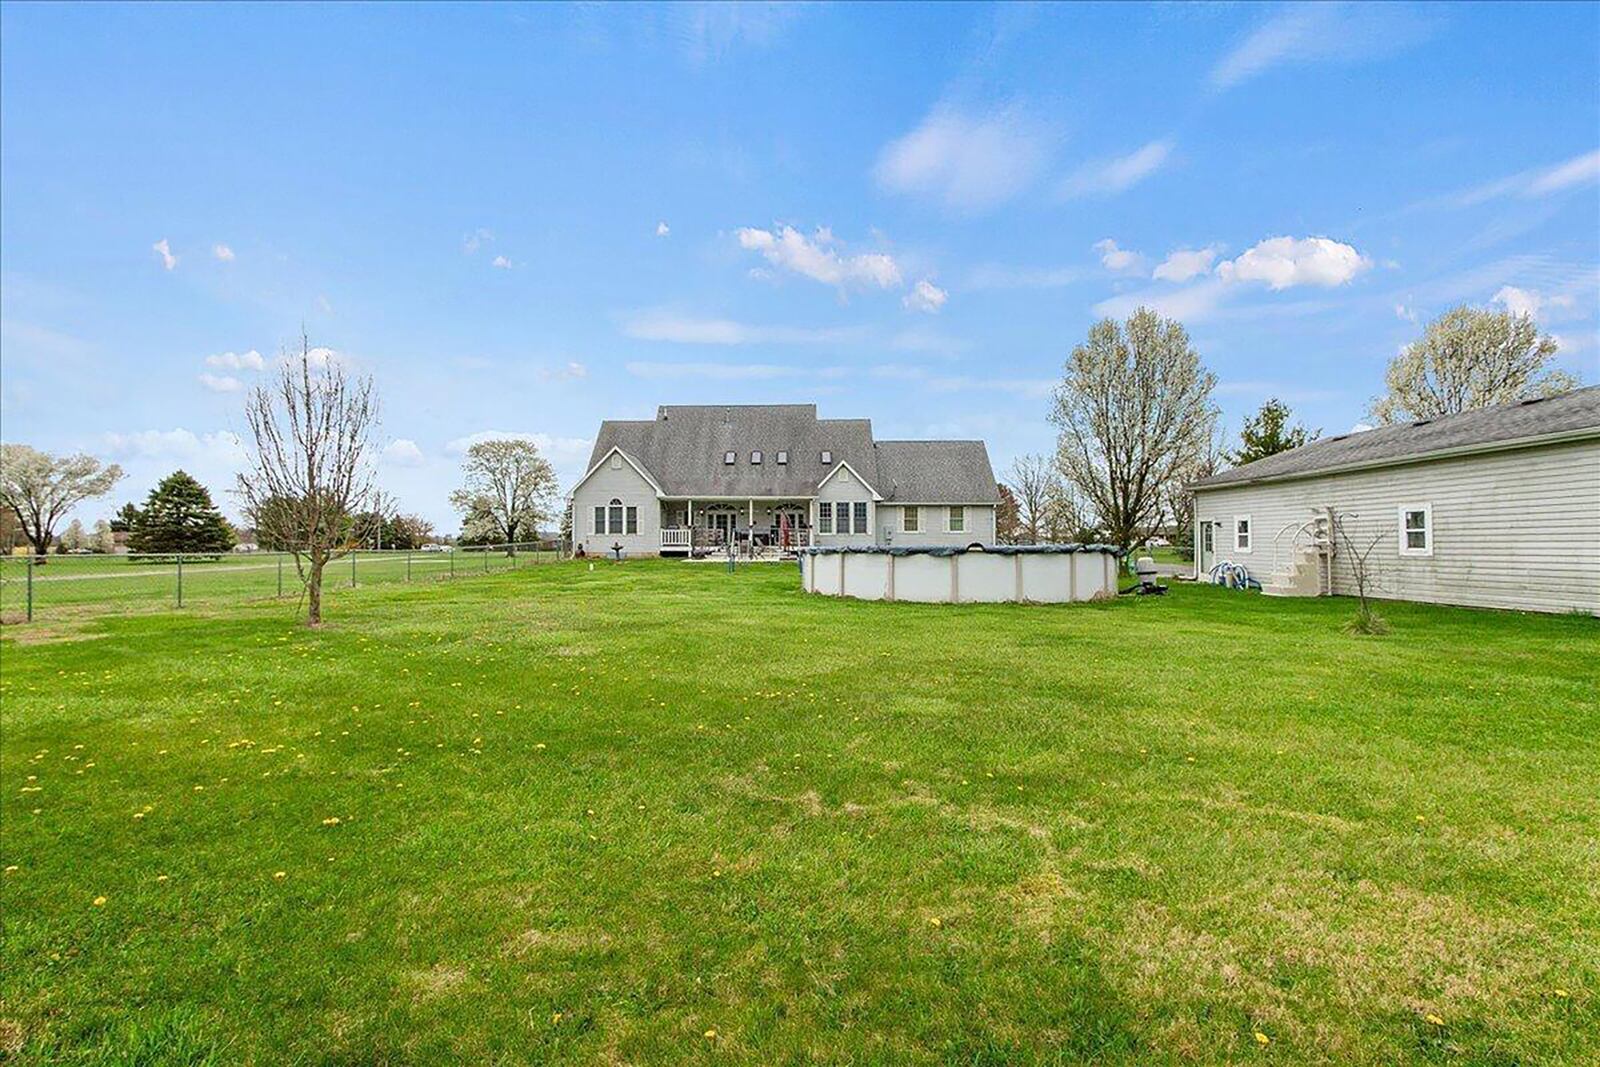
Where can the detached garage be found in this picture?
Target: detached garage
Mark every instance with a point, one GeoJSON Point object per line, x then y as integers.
{"type": "Point", "coordinates": [1495, 508]}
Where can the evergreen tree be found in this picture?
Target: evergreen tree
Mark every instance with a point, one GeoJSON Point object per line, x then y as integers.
{"type": "Point", "coordinates": [125, 518]}
{"type": "Point", "coordinates": [1267, 432]}
{"type": "Point", "coordinates": [179, 517]}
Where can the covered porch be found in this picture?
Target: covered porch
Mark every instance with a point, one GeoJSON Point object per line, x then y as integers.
{"type": "Point", "coordinates": [755, 526]}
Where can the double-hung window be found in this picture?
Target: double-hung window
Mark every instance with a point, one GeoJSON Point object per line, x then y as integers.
{"type": "Point", "coordinates": [615, 512]}
{"type": "Point", "coordinates": [1241, 533]}
{"type": "Point", "coordinates": [911, 519]}
{"type": "Point", "coordinates": [956, 521]}
{"type": "Point", "coordinates": [633, 520]}
{"type": "Point", "coordinates": [825, 518]}
{"type": "Point", "coordinates": [599, 519]}
{"type": "Point", "coordinates": [861, 516]}
{"type": "Point", "coordinates": [1416, 529]}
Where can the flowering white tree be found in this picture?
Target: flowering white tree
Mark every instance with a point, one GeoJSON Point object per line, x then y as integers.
{"type": "Point", "coordinates": [1470, 358]}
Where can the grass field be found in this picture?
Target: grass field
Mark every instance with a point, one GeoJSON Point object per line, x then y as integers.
{"type": "Point", "coordinates": [67, 587]}
{"type": "Point", "coordinates": [653, 813]}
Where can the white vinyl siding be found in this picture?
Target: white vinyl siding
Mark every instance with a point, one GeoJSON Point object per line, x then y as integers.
{"type": "Point", "coordinates": [1512, 529]}
{"type": "Point", "coordinates": [634, 520]}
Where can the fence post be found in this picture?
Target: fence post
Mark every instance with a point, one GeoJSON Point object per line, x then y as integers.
{"type": "Point", "coordinates": [180, 579]}
{"type": "Point", "coordinates": [280, 575]}
{"type": "Point", "coordinates": [29, 561]}
{"type": "Point", "coordinates": [408, 566]}
{"type": "Point", "coordinates": [486, 561]}
{"type": "Point", "coordinates": [352, 568]}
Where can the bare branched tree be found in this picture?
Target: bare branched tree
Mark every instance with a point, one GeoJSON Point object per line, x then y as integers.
{"type": "Point", "coordinates": [1179, 503]}
{"type": "Point", "coordinates": [1135, 414]}
{"type": "Point", "coordinates": [1358, 548]}
{"type": "Point", "coordinates": [310, 467]}
{"type": "Point", "coordinates": [40, 488]}
{"type": "Point", "coordinates": [1034, 481]}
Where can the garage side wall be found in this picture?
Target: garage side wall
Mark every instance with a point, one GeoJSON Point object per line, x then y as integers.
{"type": "Point", "coordinates": [1516, 529]}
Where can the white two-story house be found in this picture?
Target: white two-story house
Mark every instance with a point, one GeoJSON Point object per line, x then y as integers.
{"type": "Point", "coordinates": [775, 477]}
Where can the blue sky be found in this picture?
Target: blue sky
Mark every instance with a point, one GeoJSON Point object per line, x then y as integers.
{"type": "Point", "coordinates": [528, 219]}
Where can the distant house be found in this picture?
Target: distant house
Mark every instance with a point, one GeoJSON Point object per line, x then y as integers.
{"type": "Point", "coordinates": [1497, 508]}
{"type": "Point", "coordinates": [774, 477]}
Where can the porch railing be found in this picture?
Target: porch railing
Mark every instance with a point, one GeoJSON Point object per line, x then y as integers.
{"type": "Point", "coordinates": [682, 538]}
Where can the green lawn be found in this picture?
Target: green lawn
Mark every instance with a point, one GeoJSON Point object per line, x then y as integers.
{"type": "Point", "coordinates": [68, 587]}
{"type": "Point", "coordinates": [651, 813]}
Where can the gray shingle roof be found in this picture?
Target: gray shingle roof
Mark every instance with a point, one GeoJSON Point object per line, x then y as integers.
{"type": "Point", "coordinates": [1576, 411]}
{"type": "Point", "coordinates": [936, 472]}
{"type": "Point", "coordinates": [683, 447]}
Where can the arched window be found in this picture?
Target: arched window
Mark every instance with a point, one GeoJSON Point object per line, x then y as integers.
{"type": "Point", "coordinates": [616, 517]}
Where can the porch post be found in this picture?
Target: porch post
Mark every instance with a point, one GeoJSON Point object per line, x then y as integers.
{"type": "Point", "coordinates": [750, 528]}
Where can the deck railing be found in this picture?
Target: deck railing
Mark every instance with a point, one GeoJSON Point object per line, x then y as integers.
{"type": "Point", "coordinates": [683, 538]}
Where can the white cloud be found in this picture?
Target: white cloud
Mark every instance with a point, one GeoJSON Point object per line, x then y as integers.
{"type": "Point", "coordinates": [475, 240]}
{"type": "Point", "coordinates": [573, 370]}
{"type": "Point", "coordinates": [1283, 262]}
{"type": "Point", "coordinates": [502, 262]}
{"type": "Point", "coordinates": [966, 162]}
{"type": "Point", "coordinates": [718, 372]}
{"type": "Point", "coordinates": [220, 383]}
{"type": "Point", "coordinates": [1001, 276]}
{"type": "Point", "coordinates": [679, 329]}
{"type": "Point", "coordinates": [1185, 263]}
{"type": "Point", "coordinates": [1320, 32]}
{"type": "Point", "coordinates": [1114, 175]}
{"type": "Point", "coordinates": [324, 305]}
{"type": "Point", "coordinates": [1527, 302]}
{"type": "Point", "coordinates": [555, 447]}
{"type": "Point", "coordinates": [662, 229]}
{"type": "Point", "coordinates": [708, 31]}
{"type": "Point", "coordinates": [403, 452]}
{"type": "Point", "coordinates": [1405, 312]}
{"type": "Point", "coordinates": [817, 257]}
{"type": "Point", "coordinates": [931, 342]}
{"type": "Point", "coordinates": [250, 360]}
{"type": "Point", "coordinates": [174, 444]}
{"type": "Point", "coordinates": [164, 250]}
{"type": "Point", "coordinates": [1119, 260]}
{"type": "Point", "coordinates": [1528, 184]}
{"type": "Point", "coordinates": [1190, 304]}
{"type": "Point", "coordinates": [925, 296]}
{"type": "Point", "coordinates": [222, 252]}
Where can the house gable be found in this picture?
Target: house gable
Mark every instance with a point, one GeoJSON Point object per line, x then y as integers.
{"type": "Point", "coordinates": [604, 460]}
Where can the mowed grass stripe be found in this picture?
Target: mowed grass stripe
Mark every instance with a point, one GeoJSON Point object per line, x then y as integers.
{"type": "Point", "coordinates": [596, 814]}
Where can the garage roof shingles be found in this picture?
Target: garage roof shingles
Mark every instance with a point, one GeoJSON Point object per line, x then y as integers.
{"type": "Point", "coordinates": [1573, 412]}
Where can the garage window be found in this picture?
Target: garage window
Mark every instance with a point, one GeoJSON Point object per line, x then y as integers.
{"type": "Point", "coordinates": [1416, 529]}
{"type": "Point", "coordinates": [1241, 533]}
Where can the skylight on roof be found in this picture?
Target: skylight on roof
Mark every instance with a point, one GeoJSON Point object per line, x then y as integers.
{"type": "Point", "coordinates": [728, 458]}
{"type": "Point", "coordinates": [827, 457]}
{"type": "Point", "coordinates": [783, 457]}
{"type": "Point", "coordinates": [755, 457]}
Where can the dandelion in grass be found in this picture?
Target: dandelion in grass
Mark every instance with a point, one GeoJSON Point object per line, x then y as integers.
{"type": "Point", "coordinates": [99, 902]}
{"type": "Point", "coordinates": [1262, 1039]}
{"type": "Point", "coordinates": [1434, 1019]}
{"type": "Point", "coordinates": [332, 820]}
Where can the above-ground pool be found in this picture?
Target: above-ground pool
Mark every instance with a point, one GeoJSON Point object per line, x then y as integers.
{"type": "Point", "coordinates": [1042, 574]}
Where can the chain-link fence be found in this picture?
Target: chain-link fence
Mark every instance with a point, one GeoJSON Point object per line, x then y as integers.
{"type": "Point", "coordinates": [61, 586]}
